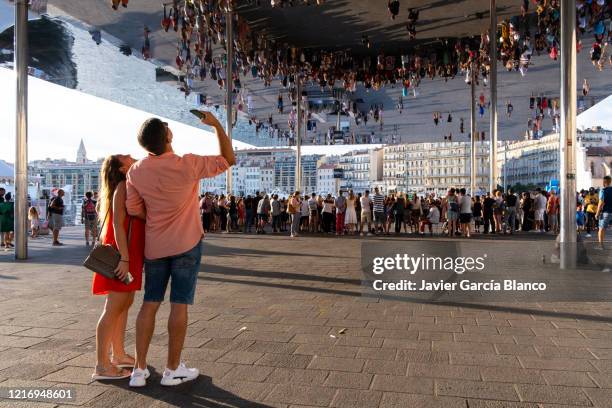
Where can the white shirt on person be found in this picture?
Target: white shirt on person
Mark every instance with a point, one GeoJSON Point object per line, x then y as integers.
{"type": "Point", "coordinates": [434, 215]}
{"type": "Point", "coordinates": [305, 209]}
{"type": "Point", "coordinates": [466, 204]}
{"type": "Point", "coordinates": [365, 204]}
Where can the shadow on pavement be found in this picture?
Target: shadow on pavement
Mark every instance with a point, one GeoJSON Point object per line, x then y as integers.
{"type": "Point", "coordinates": [198, 393]}
{"type": "Point", "coordinates": [365, 295]}
{"type": "Point", "coordinates": [227, 270]}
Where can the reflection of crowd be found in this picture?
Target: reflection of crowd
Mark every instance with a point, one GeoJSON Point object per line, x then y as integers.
{"type": "Point", "coordinates": [200, 26]}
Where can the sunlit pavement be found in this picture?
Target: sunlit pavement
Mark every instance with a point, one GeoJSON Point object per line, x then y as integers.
{"type": "Point", "coordinates": [266, 331]}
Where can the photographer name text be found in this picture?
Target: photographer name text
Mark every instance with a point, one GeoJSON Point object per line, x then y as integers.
{"type": "Point", "coordinates": [463, 285]}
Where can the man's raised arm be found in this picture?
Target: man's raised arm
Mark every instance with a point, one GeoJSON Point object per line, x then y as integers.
{"type": "Point", "coordinates": [225, 144]}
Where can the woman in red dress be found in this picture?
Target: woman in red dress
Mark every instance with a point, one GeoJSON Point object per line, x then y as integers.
{"type": "Point", "coordinates": [110, 332]}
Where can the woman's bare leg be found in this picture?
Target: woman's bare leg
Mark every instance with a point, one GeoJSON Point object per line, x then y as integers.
{"type": "Point", "coordinates": [105, 329]}
{"type": "Point", "coordinates": [118, 339]}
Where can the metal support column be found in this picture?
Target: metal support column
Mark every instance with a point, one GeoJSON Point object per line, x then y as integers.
{"type": "Point", "coordinates": [493, 96]}
{"type": "Point", "coordinates": [473, 164]}
{"type": "Point", "coordinates": [229, 78]}
{"type": "Point", "coordinates": [567, 139]}
{"type": "Point", "coordinates": [21, 136]}
{"type": "Point", "coordinates": [298, 136]}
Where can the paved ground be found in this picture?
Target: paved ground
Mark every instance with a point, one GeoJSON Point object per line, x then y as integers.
{"type": "Point", "coordinates": [265, 333]}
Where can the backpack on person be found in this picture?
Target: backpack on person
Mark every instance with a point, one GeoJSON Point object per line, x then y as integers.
{"type": "Point", "coordinates": [89, 208]}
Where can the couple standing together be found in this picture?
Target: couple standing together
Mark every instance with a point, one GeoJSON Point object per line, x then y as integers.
{"type": "Point", "coordinates": [152, 217]}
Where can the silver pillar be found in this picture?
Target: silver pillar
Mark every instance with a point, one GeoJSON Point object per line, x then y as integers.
{"type": "Point", "coordinates": [567, 139]}
{"type": "Point", "coordinates": [298, 136]}
{"type": "Point", "coordinates": [229, 37]}
{"type": "Point", "coordinates": [493, 89]}
{"type": "Point", "coordinates": [473, 164]}
{"type": "Point", "coordinates": [21, 136]}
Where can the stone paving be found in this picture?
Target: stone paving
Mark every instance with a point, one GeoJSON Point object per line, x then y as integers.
{"type": "Point", "coordinates": [267, 331]}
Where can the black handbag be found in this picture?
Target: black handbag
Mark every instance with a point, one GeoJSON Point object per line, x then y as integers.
{"type": "Point", "coordinates": [104, 259]}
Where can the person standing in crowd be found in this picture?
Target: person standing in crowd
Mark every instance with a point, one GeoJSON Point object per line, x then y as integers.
{"type": "Point", "coordinates": [206, 206]}
{"type": "Point", "coordinates": [263, 210]}
{"type": "Point", "coordinates": [416, 213]}
{"type": "Point", "coordinates": [604, 210]}
{"type": "Point", "coordinates": [591, 201]}
{"type": "Point", "coordinates": [232, 210]}
{"type": "Point", "coordinates": [511, 203]}
{"type": "Point", "coordinates": [580, 217]}
{"type": "Point", "coordinates": [284, 219]}
{"type": "Point", "coordinates": [313, 213]}
{"type": "Point", "coordinates": [539, 210]}
{"type": "Point", "coordinates": [127, 235]}
{"type": "Point", "coordinates": [173, 236]}
{"type": "Point", "coordinates": [248, 206]}
{"type": "Point", "coordinates": [89, 218]}
{"type": "Point", "coordinates": [389, 213]}
{"type": "Point", "coordinates": [452, 211]}
{"type": "Point", "coordinates": [498, 211]}
{"type": "Point", "coordinates": [294, 209]}
{"type": "Point", "coordinates": [477, 213]}
{"type": "Point", "coordinates": [528, 212]}
{"type": "Point", "coordinates": [340, 205]}
{"type": "Point", "coordinates": [7, 220]}
{"type": "Point", "coordinates": [487, 212]}
{"type": "Point", "coordinates": [327, 213]}
{"type": "Point", "coordinates": [350, 218]}
{"type": "Point", "coordinates": [56, 212]}
{"type": "Point", "coordinates": [433, 218]}
{"type": "Point", "coordinates": [275, 207]}
{"type": "Point", "coordinates": [222, 205]}
{"type": "Point", "coordinates": [398, 212]}
{"type": "Point", "coordinates": [241, 214]}
{"type": "Point", "coordinates": [366, 213]}
{"type": "Point", "coordinates": [465, 214]}
{"type": "Point", "coordinates": [378, 204]}
{"type": "Point", "coordinates": [552, 212]}
{"type": "Point", "coordinates": [304, 213]}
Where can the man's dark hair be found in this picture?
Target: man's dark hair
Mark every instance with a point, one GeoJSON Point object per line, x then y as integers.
{"type": "Point", "coordinates": [89, 194]}
{"type": "Point", "coordinates": [607, 179]}
{"type": "Point", "coordinates": [463, 191]}
{"type": "Point", "coordinates": [152, 136]}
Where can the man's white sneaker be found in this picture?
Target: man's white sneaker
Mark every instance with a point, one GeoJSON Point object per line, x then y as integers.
{"type": "Point", "coordinates": [180, 375]}
{"type": "Point", "coordinates": [139, 377]}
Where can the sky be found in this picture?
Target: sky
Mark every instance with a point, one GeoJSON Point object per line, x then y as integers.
{"type": "Point", "coordinates": [59, 117]}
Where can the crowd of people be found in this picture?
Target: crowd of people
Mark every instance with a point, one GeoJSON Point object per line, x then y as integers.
{"type": "Point", "coordinates": [454, 214]}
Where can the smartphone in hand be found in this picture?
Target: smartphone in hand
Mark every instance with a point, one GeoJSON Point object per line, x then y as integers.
{"type": "Point", "coordinates": [201, 115]}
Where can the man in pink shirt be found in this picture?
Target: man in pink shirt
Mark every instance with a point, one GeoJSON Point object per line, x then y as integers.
{"type": "Point", "coordinates": [163, 189]}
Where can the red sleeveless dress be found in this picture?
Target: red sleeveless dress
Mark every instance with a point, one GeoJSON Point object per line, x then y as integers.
{"type": "Point", "coordinates": [101, 284]}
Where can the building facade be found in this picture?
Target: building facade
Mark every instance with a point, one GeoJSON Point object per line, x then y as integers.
{"type": "Point", "coordinates": [394, 168]}
{"type": "Point", "coordinates": [361, 170]}
{"type": "Point", "coordinates": [435, 167]}
{"type": "Point", "coordinates": [327, 181]}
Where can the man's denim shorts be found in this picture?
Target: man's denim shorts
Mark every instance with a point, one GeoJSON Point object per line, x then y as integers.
{"type": "Point", "coordinates": [605, 220]}
{"type": "Point", "coordinates": [182, 272]}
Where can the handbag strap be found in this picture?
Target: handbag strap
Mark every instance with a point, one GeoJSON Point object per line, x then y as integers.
{"type": "Point", "coordinates": [129, 234]}
{"type": "Point", "coordinates": [102, 226]}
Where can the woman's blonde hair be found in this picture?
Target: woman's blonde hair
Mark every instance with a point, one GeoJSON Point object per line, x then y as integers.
{"type": "Point", "coordinates": [110, 177]}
